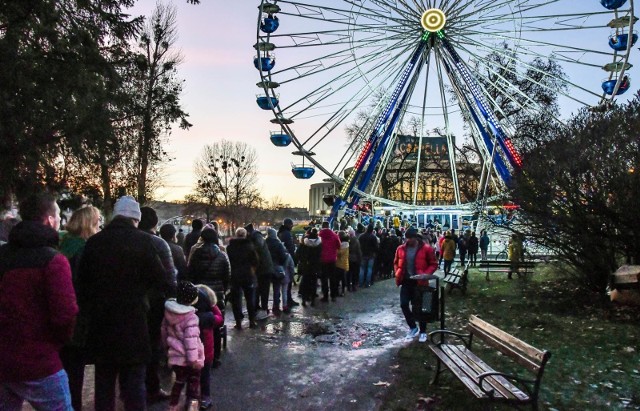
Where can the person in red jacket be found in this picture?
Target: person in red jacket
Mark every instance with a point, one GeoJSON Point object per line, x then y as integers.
{"type": "Point", "coordinates": [412, 258]}
{"type": "Point", "coordinates": [37, 310]}
{"type": "Point", "coordinates": [328, 257]}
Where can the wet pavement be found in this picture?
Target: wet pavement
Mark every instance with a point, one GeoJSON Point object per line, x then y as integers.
{"type": "Point", "coordinates": [334, 356]}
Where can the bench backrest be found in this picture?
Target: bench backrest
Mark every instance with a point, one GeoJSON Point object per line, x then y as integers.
{"type": "Point", "coordinates": [524, 354]}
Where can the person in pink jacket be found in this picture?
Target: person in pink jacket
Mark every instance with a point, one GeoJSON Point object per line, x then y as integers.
{"type": "Point", "coordinates": [185, 351]}
{"type": "Point", "coordinates": [328, 257]}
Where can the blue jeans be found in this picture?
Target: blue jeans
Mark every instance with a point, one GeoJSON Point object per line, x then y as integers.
{"type": "Point", "coordinates": [366, 270]}
{"type": "Point", "coordinates": [49, 393]}
{"type": "Point", "coordinates": [132, 386]}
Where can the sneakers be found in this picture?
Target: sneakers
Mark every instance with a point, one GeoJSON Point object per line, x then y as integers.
{"type": "Point", "coordinates": [261, 315]}
{"type": "Point", "coordinates": [412, 334]}
{"type": "Point", "coordinates": [423, 337]}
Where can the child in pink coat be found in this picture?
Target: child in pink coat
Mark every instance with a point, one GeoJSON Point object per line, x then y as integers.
{"type": "Point", "coordinates": [185, 351]}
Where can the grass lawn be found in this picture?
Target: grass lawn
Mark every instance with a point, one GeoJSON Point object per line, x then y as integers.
{"type": "Point", "coordinates": [595, 355]}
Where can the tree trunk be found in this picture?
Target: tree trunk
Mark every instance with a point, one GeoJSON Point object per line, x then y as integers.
{"type": "Point", "coordinates": [105, 179]}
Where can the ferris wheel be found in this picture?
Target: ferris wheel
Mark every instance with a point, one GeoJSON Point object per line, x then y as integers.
{"type": "Point", "coordinates": [377, 94]}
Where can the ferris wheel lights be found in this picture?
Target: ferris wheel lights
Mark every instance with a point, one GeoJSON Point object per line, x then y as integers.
{"type": "Point", "coordinates": [433, 20]}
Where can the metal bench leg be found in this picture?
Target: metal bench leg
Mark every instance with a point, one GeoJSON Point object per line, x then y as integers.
{"type": "Point", "coordinates": [438, 371]}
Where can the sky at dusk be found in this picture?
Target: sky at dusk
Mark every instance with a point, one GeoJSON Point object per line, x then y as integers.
{"type": "Point", "coordinates": [216, 40]}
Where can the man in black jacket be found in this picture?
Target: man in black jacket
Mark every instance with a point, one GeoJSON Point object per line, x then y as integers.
{"type": "Point", "coordinates": [118, 269]}
{"type": "Point", "coordinates": [244, 262]}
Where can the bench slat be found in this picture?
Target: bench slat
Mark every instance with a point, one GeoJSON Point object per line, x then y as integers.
{"type": "Point", "coordinates": [523, 353]}
{"type": "Point", "coordinates": [503, 386]}
{"type": "Point", "coordinates": [457, 371]}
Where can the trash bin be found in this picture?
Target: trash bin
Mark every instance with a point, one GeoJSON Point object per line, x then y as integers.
{"type": "Point", "coordinates": [426, 304]}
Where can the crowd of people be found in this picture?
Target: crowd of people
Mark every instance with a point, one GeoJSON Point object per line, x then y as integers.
{"type": "Point", "coordinates": [124, 298]}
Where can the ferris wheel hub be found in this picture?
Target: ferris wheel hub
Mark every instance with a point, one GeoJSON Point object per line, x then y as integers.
{"type": "Point", "coordinates": [433, 20]}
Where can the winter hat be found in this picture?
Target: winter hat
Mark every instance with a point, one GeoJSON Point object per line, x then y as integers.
{"type": "Point", "coordinates": [167, 231]}
{"type": "Point", "coordinates": [411, 233]}
{"type": "Point", "coordinates": [287, 222]}
{"type": "Point", "coordinates": [187, 293]}
{"type": "Point", "coordinates": [127, 206]}
{"type": "Point", "coordinates": [148, 218]}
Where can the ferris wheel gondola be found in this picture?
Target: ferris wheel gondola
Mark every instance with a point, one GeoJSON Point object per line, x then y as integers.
{"type": "Point", "coordinates": [376, 66]}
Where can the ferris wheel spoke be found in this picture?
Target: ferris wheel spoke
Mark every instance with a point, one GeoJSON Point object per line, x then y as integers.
{"type": "Point", "coordinates": [336, 120]}
{"type": "Point", "coordinates": [335, 60]}
{"type": "Point", "coordinates": [335, 14]}
{"type": "Point", "coordinates": [451, 145]}
{"type": "Point", "coordinates": [351, 75]}
{"type": "Point", "coordinates": [526, 65]}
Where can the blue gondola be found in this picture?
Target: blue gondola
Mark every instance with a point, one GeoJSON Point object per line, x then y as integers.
{"type": "Point", "coordinates": [266, 102]}
{"type": "Point", "coordinates": [264, 63]}
{"type": "Point", "coordinates": [612, 4]}
{"type": "Point", "coordinates": [280, 139]}
{"type": "Point", "coordinates": [269, 24]}
{"type": "Point", "coordinates": [303, 172]}
{"type": "Point", "coordinates": [620, 42]}
{"type": "Point", "coordinates": [609, 86]}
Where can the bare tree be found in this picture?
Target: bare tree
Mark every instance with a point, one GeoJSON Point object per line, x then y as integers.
{"type": "Point", "coordinates": [158, 91]}
{"type": "Point", "coordinates": [227, 179]}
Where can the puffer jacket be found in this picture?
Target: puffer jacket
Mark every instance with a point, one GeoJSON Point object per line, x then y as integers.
{"type": "Point", "coordinates": [425, 262]}
{"type": "Point", "coordinates": [210, 266]}
{"type": "Point", "coordinates": [343, 256]}
{"type": "Point", "coordinates": [181, 335]}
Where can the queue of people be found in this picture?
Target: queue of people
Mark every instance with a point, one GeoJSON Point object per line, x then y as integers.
{"type": "Point", "coordinates": [124, 297]}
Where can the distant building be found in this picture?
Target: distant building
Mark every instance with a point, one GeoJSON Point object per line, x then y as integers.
{"type": "Point", "coordinates": [317, 191]}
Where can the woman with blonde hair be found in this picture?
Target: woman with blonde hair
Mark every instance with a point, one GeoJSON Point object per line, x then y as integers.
{"type": "Point", "coordinates": [84, 223]}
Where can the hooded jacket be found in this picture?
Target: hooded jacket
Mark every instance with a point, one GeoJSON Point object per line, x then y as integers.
{"type": "Point", "coordinates": [37, 303]}
{"type": "Point", "coordinates": [181, 335]}
{"type": "Point", "coordinates": [265, 265]}
{"type": "Point", "coordinates": [276, 249]}
{"type": "Point", "coordinates": [448, 248]}
{"type": "Point", "coordinates": [308, 255]}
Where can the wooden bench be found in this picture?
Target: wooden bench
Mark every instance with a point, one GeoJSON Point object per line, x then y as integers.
{"type": "Point", "coordinates": [457, 278]}
{"type": "Point", "coordinates": [481, 379]}
{"type": "Point", "coordinates": [505, 266]}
